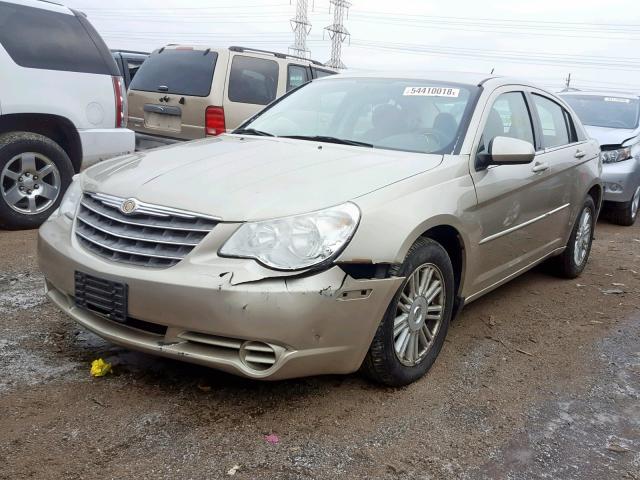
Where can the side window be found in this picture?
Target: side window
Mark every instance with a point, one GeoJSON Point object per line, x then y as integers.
{"type": "Point", "coordinates": [133, 66]}
{"type": "Point", "coordinates": [38, 38]}
{"type": "Point", "coordinates": [296, 76]}
{"type": "Point", "coordinates": [317, 73]}
{"type": "Point", "coordinates": [553, 121]}
{"type": "Point", "coordinates": [253, 80]}
{"type": "Point", "coordinates": [508, 117]}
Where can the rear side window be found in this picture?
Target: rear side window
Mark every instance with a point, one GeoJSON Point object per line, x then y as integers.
{"type": "Point", "coordinates": [317, 73]}
{"type": "Point", "coordinates": [296, 76]}
{"type": "Point", "coordinates": [176, 71]}
{"type": "Point", "coordinates": [553, 122]}
{"type": "Point", "coordinates": [253, 80]}
{"type": "Point", "coordinates": [37, 38]}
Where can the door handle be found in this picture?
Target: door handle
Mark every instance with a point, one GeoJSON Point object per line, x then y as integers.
{"type": "Point", "coordinates": [540, 167]}
{"type": "Point", "coordinates": [579, 154]}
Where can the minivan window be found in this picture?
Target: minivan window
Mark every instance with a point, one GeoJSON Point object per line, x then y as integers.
{"type": "Point", "coordinates": [38, 38]}
{"type": "Point", "coordinates": [253, 80]}
{"type": "Point", "coordinates": [508, 117]}
{"type": "Point", "coordinates": [395, 114]}
{"type": "Point", "coordinates": [606, 111]}
{"type": "Point", "coordinates": [296, 76]}
{"type": "Point", "coordinates": [552, 121]}
{"type": "Point", "coordinates": [177, 71]}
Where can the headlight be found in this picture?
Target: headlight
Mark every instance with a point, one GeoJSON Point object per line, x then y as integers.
{"type": "Point", "coordinates": [71, 199]}
{"type": "Point", "coordinates": [614, 156]}
{"type": "Point", "coordinates": [296, 242]}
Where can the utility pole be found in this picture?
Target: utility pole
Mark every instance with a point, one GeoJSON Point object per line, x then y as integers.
{"type": "Point", "coordinates": [338, 33]}
{"type": "Point", "coordinates": [301, 28]}
{"type": "Point", "coordinates": [567, 83]}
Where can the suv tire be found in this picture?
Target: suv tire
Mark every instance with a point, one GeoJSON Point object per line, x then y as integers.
{"type": "Point", "coordinates": [34, 174]}
{"type": "Point", "coordinates": [571, 262]}
{"type": "Point", "coordinates": [426, 264]}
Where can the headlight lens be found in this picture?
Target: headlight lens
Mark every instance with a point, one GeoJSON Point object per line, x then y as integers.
{"type": "Point", "coordinates": [71, 199]}
{"type": "Point", "coordinates": [614, 156]}
{"type": "Point", "coordinates": [296, 242]}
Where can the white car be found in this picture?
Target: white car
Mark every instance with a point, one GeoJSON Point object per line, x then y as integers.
{"type": "Point", "coordinates": [62, 107]}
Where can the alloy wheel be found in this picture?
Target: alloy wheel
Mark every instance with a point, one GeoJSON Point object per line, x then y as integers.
{"type": "Point", "coordinates": [583, 236]}
{"type": "Point", "coordinates": [419, 314]}
{"type": "Point", "coordinates": [30, 183]}
{"type": "Point", "coordinates": [635, 202]}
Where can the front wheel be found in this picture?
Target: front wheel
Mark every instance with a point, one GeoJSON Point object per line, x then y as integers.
{"type": "Point", "coordinates": [571, 262]}
{"type": "Point", "coordinates": [415, 324]}
{"type": "Point", "coordinates": [626, 214]}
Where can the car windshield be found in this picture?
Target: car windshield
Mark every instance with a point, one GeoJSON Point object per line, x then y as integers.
{"type": "Point", "coordinates": [409, 115]}
{"type": "Point", "coordinates": [605, 111]}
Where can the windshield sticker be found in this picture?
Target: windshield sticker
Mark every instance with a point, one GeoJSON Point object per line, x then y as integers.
{"type": "Point", "coordinates": [431, 92]}
{"type": "Point", "coordinates": [619, 100]}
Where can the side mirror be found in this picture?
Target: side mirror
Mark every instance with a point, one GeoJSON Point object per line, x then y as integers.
{"type": "Point", "coordinates": [510, 151]}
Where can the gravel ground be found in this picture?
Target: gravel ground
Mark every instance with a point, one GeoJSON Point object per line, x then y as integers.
{"type": "Point", "coordinates": [539, 379]}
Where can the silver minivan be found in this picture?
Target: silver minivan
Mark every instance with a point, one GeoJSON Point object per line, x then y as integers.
{"type": "Point", "coordinates": [341, 228]}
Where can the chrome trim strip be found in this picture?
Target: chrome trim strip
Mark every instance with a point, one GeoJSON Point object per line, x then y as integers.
{"type": "Point", "coordinates": [118, 250]}
{"type": "Point", "coordinates": [138, 239]}
{"type": "Point", "coordinates": [148, 208]}
{"type": "Point", "coordinates": [141, 224]}
{"type": "Point", "coordinates": [522, 225]}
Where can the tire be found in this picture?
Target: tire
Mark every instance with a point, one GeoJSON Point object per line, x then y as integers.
{"type": "Point", "coordinates": [627, 212]}
{"type": "Point", "coordinates": [382, 363]}
{"type": "Point", "coordinates": [34, 174]}
{"type": "Point", "coordinates": [568, 264]}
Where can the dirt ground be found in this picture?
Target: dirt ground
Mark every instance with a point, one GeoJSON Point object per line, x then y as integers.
{"type": "Point", "coordinates": [539, 379]}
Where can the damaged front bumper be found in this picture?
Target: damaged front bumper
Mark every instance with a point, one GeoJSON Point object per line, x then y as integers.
{"type": "Point", "coordinates": [230, 314]}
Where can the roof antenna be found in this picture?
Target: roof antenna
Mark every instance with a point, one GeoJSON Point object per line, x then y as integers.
{"type": "Point", "coordinates": [492, 70]}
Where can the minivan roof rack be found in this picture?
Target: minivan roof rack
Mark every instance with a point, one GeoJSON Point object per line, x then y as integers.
{"type": "Point", "coordinates": [276, 54]}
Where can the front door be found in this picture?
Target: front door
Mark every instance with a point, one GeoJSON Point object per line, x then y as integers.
{"type": "Point", "coordinates": [516, 203]}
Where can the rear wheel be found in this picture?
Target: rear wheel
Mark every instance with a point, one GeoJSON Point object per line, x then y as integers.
{"type": "Point", "coordinates": [414, 327]}
{"type": "Point", "coordinates": [571, 262]}
{"type": "Point", "coordinates": [626, 214]}
{"type": "Point", "coordinates": [34, 173]}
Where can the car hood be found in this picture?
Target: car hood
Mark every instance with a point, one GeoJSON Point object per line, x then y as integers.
{"type": "Point", "coordinates": [239, 179]}
{"type": "Point", "coordinates": [611, 136]}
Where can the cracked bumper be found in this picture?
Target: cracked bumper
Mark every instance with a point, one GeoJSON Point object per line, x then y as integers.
{"type": "Point", "coordinates": [316, 324]}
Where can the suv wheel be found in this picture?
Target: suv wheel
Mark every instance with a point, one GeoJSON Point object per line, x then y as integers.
{"type": "Point", "coordinates": [415, 324]}
{"type": "Point", "coordinates": [571, 262]}
{"type": "Point", "coordinates": [627, 213]}
{"type": "Point", "coordinates": [34, 173]}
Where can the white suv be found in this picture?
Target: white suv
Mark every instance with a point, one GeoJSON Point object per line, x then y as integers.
{"type": "Point", "coordinates": [62, 107]}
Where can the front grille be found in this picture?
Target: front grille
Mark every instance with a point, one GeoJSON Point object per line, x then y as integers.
{"type": "Point", "coordinates": [151, 236]}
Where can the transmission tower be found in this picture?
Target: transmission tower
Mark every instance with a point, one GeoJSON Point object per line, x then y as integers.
{"type": "Point", "coordinates": [338, 33]}
{"type": "Point", "coordinates": [301, 28]}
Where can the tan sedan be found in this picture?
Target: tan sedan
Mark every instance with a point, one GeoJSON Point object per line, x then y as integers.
{"type": "Point", "coordinates": [342, 227]}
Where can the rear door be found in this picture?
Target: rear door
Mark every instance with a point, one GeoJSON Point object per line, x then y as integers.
{"type": "Point", "coordinates": [252, 84]}
{"type": "Point", "coordinates": [563, 153]}
{"type": "Point", "coordinates": [170, 92]}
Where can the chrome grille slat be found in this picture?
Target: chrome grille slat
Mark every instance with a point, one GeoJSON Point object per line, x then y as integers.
{"type": "Point", "coordinates": [147, 237]}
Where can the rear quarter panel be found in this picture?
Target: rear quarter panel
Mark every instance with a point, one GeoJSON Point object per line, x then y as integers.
{"type": "Point", "coordinates": [86, 99]}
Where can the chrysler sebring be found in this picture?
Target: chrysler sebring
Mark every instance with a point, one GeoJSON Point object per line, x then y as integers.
{"type": "Point", "coordinates": [340, 229]}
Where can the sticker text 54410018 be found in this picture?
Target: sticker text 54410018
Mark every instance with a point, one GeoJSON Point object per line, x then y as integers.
{"type": "Point", "coordinates": [432, 92]}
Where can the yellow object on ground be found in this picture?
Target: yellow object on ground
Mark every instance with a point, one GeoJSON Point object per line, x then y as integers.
{"type": "Point", "coordinates": [99, 368]}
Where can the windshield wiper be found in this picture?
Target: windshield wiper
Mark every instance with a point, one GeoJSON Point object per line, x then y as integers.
{"type": "Point", "coordinates": [253, 131]}
{"type": "Point", "coordinates": [322, 138]}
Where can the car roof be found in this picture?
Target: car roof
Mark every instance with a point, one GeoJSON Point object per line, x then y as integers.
{"type": "Point", "coordinates": [463, 78]}
{"type": "Point", "coordinates": [43, 5]}
{"type": "Point", "coordinates": [602, 93]}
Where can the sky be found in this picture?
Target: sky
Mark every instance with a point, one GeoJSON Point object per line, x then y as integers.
{"type": "Point", "coordinates": [598, 43]}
